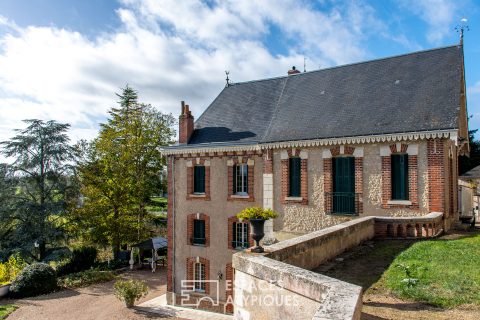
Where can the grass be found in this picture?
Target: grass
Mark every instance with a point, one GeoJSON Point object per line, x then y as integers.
{"type": "Point", "coordinates": [5, 310]}
{"type": "Point", "coordinates": [85, 278]}
{"type": "Point", "coordinates": [157, 204]}
{"type": "Point", "coordinates": [443, 273]}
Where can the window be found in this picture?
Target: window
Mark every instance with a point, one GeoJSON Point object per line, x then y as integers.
{"type": "Point", "coordinates": [240, 235]}
{"type": "Point", "coordinates": [199, 273]}
{"type": "Point", "coordinates": [399, 176]}
{"type": "Point", "coordinates": [198, 232]}
{"type": "Point", "coordinates": [294, 177]}
{"type": "Point", "coordinates": [199, 179]}
{"type": "Point", "coordinates": [240, 179]}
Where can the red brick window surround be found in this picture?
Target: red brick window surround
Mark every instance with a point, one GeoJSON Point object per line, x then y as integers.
{"type": "Point", "coordinates": [286, 155]}
{"type": "Point", "coordinates": [386, 153]}
{"type": "Point", "coordinates": [238, 167]}
{"type": "Point", "coordinates": [229, 278]}
{"type": "Point", "coordinates": [198, 274]}
{"type": "Point", "coordinates": [191, 163]}
{"type": "Point", "coordinates": [342, 151]}
{"type": "Point", "coordinates": [191, 239]}
{"type": "Point", "coordinates": [235, 239]}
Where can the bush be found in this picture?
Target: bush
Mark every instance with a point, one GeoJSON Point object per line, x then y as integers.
{"type": "Point", "coordinates": [82, 259]}
{"type": "Point", "coordinates": [35, 279]}
{"type": "Point", "coordinates": [58, 254]}
{"type": "Point", "coordinates": [85, 278]}
{"type": "Point", "coordinates": [10, 269]}
{"type": "Point", "coordinates": [257, 213]}
{"type": "Point", "coordinates": [111, 265]}
{"type": "Point", "coordinates": [130, 291]}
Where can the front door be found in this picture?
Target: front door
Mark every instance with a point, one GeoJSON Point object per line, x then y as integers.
{"type": "Point", "coordinates": [344, 185]}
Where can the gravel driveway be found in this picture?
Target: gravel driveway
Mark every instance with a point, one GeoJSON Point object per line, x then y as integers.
{"type": "Point", "coordinates": [93, 302]}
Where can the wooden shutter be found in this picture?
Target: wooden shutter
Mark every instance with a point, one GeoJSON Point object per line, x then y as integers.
{"type": "Point", "coordinates": [399, 176]}
{"type": "Point", "coordinates": [199, 179]}
{"type": "Point", "coordinates": [234, 233]}
{"type": "Point", "coordinates": [294, 175]}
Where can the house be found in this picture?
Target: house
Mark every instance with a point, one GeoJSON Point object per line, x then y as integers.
{"type": "Point", "coordinates": [376, 138]}
{"type": "Point", "coordinates": [469, 194]}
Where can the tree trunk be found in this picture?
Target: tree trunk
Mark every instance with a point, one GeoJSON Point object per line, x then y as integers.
{"type": "Point", "coordinates": [42, 250]}
{"type": "Point", "coordinates": [116, 237]}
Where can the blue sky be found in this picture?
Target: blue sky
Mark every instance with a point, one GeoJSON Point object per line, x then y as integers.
{"type": "Point", "coordinates": [65, 59]}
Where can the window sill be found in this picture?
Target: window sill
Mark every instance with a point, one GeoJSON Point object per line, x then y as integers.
{"type": "Point", "coordinates": [240, 196]}
{"type": "Point", "coordinates": [198, 245]}
{"type": "Point", "coordinates": [198, 195]}
{"type": "Point", "coordinates": [400, 202]}
{"type": "Point", "coordinates": [293, 198]}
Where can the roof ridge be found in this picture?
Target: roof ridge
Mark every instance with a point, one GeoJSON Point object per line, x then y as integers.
{"type": "Point", "coordinates": [349, 64]}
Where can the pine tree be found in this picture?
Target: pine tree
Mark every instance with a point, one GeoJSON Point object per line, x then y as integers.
{"type": "Point", "coordinates": [41, 166]}
{"type": "Point", "coordinates": [122, 171]}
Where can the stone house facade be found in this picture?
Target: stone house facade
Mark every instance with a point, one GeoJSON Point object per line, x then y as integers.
{"type": "Point", "coordinates": [377, 138]}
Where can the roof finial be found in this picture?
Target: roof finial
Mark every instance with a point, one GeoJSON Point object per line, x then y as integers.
{"type": "Point", "coordinates": [228, 80]}
{"type": "Point", "coordinates": [304, 64]}
{"type": "Point", "coordinates": [461, 28]}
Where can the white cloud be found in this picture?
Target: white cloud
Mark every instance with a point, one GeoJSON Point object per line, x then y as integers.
{"type": "Point", "coordinates": [440, 15]}
{"type": "Point", "coordinates": [169, 51]}
{"type": "Point", "coordinates": [475, 88]}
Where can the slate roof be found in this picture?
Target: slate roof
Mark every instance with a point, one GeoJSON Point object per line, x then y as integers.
{"type": "Point", "coordinates": [471, 174]}
{"type": "Point", "coordinates": [409, 93]}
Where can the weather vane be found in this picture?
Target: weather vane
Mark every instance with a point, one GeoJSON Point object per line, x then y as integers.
{"type": "Point", "coordinates": [462, 27]}
{"type": "Point", "coordinates": [228, 80]}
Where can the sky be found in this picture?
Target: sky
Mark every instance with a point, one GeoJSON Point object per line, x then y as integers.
{"type": "Point", "coordinates": [66, 59]}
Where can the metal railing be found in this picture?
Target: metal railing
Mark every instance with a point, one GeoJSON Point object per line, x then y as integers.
{"type": "Point", "coordinates": [342, 202]}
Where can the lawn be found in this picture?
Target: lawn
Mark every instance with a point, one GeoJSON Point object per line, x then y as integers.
{"type": "Point", "coordinates": [157, 204]}
{"type": "Point", "coordinates": [5, 310]}
{"type": "Point", "coordinates": [441, 272]}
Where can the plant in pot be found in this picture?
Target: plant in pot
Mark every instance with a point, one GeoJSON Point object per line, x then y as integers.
{"type": "Point", "coordinates": [130, 291]}
{"type": "Point", "coordinates": [257, 217]}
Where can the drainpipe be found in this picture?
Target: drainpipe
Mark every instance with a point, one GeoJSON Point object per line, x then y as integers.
{"type": "Point", "coordinates": [173, 231]}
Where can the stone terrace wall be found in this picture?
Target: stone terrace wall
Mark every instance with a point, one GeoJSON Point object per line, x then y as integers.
{"type": "Point", "coordinates": [278, 284]}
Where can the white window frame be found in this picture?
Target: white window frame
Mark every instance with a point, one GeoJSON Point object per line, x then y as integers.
{"type": "Point", "coordinates": [199, 277]}
{"type": "Point", "coordinates": [241, 234]}
{"type": "Point", "coordinates": [241, 175]}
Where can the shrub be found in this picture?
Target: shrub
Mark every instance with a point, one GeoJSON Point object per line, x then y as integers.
{"type": "Point", "coordinates": [130, 291]}
{"type": "Point", "coordinates": [10, 269]}
{"type": "Point", "coordinates": [257, 213]}
{"type": "Point", "coordinates": [85, 278]}
{"type": "Point", "coordinates": [33, 280]}
{"type": "Point", "coordinates": [58, 254]}
{"type": "Point", "coordinates": [111, 265]}
{"type": "Point", "coordinates": [82, 259]}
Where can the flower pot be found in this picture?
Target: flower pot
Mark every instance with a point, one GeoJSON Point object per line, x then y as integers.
{"type": "Point", "coordinates": [257, 234]}
{"type": "Point", "coordinates": [4, 289]}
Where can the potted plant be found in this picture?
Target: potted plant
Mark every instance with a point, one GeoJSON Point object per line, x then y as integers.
{"type": "Point", "coordinates": [257, 217]}
{"type": "Point", "coordinates": [130, 291]}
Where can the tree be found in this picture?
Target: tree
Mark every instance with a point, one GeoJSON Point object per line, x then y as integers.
{"type": "Point", "coordinates": [41, 165]}
{"type": "Point", "coordinates": [121, 171]}
{"type": "Point", "coordinates": [473, 160]}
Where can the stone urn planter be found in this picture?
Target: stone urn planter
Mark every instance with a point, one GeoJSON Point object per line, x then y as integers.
{"type": "Point", "coordinates": [257, 217]}
{"type": "Point", "coordinates": [4, 289]}
{"type": "Point", "coordinates": [257, 234]}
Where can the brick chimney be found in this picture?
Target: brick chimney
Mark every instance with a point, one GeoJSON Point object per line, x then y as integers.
{"type": "Point", "coordinates": [185, 124]}
{"type": "Point", "coordinates": [293, 71]}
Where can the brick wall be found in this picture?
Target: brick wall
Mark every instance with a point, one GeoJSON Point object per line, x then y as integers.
{"type": "Point", "coordinates": [285, 163]}
{"type": "Point", "coordinates": [412, 179]}
{"type": "Point", "coordinates": [232, 162]}
{"type": "Point", "coordinates": [436, 175]}
{"type": "Point", "coordinates": [190, 182]}
{"type": "Point", "coordinates": [229, 278]}
{"type": "Point", "coordinates": [190, 223]}
{"type": "Point", "coordinates": [190, 271]}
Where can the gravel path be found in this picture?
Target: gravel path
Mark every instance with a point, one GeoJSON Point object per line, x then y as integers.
{"type": "Point", "coordinates": [93, 302]}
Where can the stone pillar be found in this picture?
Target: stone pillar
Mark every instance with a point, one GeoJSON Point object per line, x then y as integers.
{"type": "Point", "coordinates": [268, 193]}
